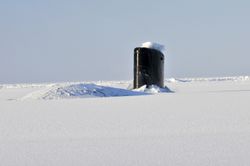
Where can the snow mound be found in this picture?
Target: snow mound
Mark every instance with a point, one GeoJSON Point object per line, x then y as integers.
{"type": "Point", "coordinates": [152, 89]}
{"type": "Point", "coordinates": [87, 91]}
{"type": "Point", "coordinates": [153, 45]}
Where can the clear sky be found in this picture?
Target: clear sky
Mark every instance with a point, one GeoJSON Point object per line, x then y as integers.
{"type": "Point", "coordinates": [80, 40]}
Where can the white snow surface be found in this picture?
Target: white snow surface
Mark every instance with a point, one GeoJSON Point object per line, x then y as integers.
{"type": "Point", "coordinates": [203, 121]}
{"type": "Point", "coordinates": [154, 45]}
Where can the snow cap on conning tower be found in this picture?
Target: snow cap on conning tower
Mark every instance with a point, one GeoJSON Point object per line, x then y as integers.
{"type": "Point", "coordinates": [154, 45]}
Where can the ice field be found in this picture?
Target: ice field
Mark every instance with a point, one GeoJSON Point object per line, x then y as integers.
{"type": "Point", "coordinates": [203, 121]}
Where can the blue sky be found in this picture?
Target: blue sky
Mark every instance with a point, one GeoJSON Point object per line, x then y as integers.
{"type": "Point", "coordinates": [57, 40]}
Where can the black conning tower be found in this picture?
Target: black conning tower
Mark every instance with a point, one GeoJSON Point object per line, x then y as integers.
{"type": "Point", "coordinates": [148, 67]}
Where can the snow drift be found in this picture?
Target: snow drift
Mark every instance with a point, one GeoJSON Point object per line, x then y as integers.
{"type": "Point", "coordinates": [87, 90]}
{"type": "Point", "coordinates": [90, 90]}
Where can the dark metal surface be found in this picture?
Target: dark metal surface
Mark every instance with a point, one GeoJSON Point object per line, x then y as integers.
{"type": "Point", "coordinates": [148, 67]}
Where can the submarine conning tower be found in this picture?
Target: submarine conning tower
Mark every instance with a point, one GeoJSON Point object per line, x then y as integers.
{"type": "Point", "coordinates": [149, 65]}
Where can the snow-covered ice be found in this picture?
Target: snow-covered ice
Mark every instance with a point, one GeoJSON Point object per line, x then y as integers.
{"type": "Point", "coordinates": [205, 121]}
{"type": "Point", "coordinates": [89, 90]}
{"type": "Point", "coordinates": [81, 91]}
